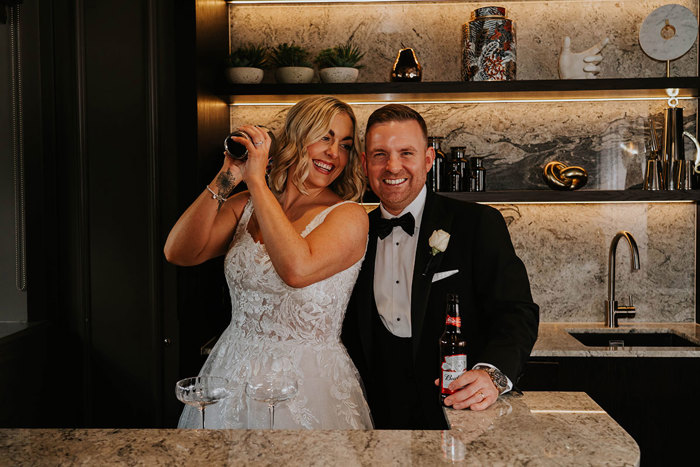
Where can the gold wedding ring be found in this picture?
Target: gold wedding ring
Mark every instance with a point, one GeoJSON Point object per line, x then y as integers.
{"type": "Point", "coordinates": [482, 396]}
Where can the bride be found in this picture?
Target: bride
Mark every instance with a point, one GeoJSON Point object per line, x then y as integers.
{"type": "Point", "coordinates": [293, 252]}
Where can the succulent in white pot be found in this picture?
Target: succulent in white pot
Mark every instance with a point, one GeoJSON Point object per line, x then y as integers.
{"type": "Point", "coordinates": [292, 63]}
{"type": "Point", "coordinates": [245, 64]}
{"type": "Point", "coordinates": [339, 64]}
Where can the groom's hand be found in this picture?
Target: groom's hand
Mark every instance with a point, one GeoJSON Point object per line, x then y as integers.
{"type": "Point", "coordinates": [475, 391]}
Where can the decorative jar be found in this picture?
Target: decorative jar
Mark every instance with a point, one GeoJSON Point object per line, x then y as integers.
{"type": "Point", "coordinates": [488, 46]}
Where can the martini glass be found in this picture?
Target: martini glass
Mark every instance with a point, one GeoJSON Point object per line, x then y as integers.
{"type": "Point", "coordinates": [271, 388]}
{"type": "Point", "coordinates": [201, 391]}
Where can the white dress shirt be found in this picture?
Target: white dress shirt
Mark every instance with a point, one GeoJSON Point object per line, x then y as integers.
{"type": "Point", "coordinates": [393, 270]}
{"type": "Point", "coordinates": [393, 273]}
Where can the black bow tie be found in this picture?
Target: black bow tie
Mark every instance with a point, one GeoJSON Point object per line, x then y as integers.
{"type": "Point", "coordinates": [383, 227]}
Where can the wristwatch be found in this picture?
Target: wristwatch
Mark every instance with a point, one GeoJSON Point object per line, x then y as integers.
{"type": "Point", "coordinates": [498, 378]}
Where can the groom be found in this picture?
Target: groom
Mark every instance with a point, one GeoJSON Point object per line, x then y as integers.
{"type": "Point", "coordinates": [397, 310]}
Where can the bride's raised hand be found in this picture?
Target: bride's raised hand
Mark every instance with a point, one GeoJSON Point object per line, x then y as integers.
{"type": "Point", "coordinates": [205, 229]}
{"type": "Point", "coordinates": [254, 169]}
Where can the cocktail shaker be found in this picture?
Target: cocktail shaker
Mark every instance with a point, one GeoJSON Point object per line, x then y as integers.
{"type": "Point", "coordinates": [672, 151]}
{"type": "Point", "coordinates": [679, 173]}
{"type": "Point", "coordinates": [239, 151]}
{"type": "Point", "coordinates": [653, 175]}
{"type": "Point", "coordinates": [683, 174]}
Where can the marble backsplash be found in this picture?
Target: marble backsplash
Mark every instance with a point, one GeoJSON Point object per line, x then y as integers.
{"type": "Point", "coordinates": [434, 31]}
{"type": "Point", "coordinates": [608, 139]}
{"type": "Point", "coordinates": [565, 249]}
{"type": "Point", "coordinates": [565, 246]}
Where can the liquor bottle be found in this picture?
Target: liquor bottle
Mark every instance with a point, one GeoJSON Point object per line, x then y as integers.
{"type": "Point", "coordinates": [459, 157]}
{"type": "Point", "coordinates": [454, 177]}
{"type": "Point", "coordinates": [455, 173]}
{"type": "Point", "coordinates": [478, 174]}
{"type": "Point", "coordinates": [453, 348]}
{"type": "Point", "coordinates": [436, 176]}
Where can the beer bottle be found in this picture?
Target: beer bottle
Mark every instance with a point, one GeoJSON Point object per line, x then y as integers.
{"type": "Point", "coordinates": [453, 348]}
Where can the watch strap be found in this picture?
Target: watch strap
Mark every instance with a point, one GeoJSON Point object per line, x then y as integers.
{"type": "Point", "coordinates": [499, 379]}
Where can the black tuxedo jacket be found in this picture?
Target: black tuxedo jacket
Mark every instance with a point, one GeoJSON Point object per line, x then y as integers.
{"type": "Point", "coordinates": [499, 318]}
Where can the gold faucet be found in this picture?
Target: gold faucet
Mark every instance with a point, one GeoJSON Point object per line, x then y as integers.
{"type": "Point", "coordinates": [612, 311]}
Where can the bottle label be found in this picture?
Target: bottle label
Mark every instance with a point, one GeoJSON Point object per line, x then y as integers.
{"type": "Point", "coordinates": [453, 321]}
{"type": "Point", "coordinates": [452, 368]}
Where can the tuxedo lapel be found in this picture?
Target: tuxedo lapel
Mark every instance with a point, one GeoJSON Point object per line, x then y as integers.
{"type": "Point", "coordinates": [366, 287]}
{"type": "Point", "coordinates": [435, 216]}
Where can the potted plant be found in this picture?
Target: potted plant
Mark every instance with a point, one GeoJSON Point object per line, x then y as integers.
{"type": "Point", "coordinates": [292, 63]}
{"type": "Point", "coordinates": [245, 64]}
{"type": "Point", "coordinates": [339, 64]}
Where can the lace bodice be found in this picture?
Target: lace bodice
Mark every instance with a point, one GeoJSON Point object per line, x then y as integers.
{"type": "Point", "coordinates": [275, 327]}
{"type": "Point", "coordinates": [266, 307]}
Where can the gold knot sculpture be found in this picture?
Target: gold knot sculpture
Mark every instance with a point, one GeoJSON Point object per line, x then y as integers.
{"type": "Point", "coordinates": [560, 177]}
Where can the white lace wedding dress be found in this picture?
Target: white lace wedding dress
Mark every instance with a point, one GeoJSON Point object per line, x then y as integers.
{"type": "Point", "coordinates": [299, 329]}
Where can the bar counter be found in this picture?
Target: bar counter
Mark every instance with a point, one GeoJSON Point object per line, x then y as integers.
{"type": "Point", "coordinates": [554, 340]}
{"type": "Point", "coordinates": [536, 428]}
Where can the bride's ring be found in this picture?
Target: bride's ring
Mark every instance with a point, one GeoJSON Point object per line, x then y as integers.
{"type": "Point", "coordinates": [258, 143]}
{"type": "Point", "coordinates": [482, 396]}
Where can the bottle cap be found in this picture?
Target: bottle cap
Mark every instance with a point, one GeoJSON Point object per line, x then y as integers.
{"type": "Point", "coordinates": [457, 152]}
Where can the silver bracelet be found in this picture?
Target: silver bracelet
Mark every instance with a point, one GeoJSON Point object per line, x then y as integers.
{"type": "Point", "coordinates": [215, 196]}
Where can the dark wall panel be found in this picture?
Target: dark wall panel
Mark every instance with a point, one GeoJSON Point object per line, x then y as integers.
{"type": "Point", "coordinates": [110, 136]}
{"type": "Point", "coordinates": [117, 111]}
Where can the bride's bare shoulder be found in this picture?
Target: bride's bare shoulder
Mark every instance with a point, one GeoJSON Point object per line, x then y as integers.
{"type": "Point", "coordinates": [349, 212]}
{"type": "Point", "coordinates": [236, 203]}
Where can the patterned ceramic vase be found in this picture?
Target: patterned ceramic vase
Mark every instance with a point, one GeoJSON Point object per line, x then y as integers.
{"type": "Point", "coordinates": [488, 46]}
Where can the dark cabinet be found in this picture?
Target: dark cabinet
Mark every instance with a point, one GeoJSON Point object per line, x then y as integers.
{"type": "Point", "coordinates": [108, 128]}
{"type": "Point", "coordinates": [653, 399]}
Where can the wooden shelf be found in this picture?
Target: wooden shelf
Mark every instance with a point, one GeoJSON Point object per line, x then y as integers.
{"type": "Point", "coordinates": [581, 196]}
{"type": "Point", "coordinates": [477, 91]}
{"type": "Point", "coordinates": [333, 2]}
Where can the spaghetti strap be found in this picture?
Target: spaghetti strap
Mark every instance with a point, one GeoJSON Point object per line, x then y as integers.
{"type": "Point", "coordinates": [245, 218]}
{"type": "Point", "coordinates": [320, 217]}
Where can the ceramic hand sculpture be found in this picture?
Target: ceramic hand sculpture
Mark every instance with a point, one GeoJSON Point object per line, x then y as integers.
{"type": "Point", "coordinates": [580, 65]}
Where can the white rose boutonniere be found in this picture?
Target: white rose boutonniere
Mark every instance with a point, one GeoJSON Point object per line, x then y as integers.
{"type": "Point", "coordinates": [438, 244]}
{"type": "Point", "coordinates": [438, 241]}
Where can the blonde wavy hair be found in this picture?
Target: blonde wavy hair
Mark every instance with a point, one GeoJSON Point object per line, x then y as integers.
{"type": "Point", "coordinates": [307, 122]}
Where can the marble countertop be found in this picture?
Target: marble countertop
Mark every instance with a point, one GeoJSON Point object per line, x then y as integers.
{"type": "Point", "coordinates": [537, 428]}
{"type": "Point", "coordinates": [554, 340]}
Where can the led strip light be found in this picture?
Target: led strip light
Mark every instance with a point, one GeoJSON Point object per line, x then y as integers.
{"type": "Point", "coordinates": [469, 101]}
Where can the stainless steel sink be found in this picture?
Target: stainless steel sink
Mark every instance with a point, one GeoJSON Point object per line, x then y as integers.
{"type": "Point", "coordinates": [632, 339]}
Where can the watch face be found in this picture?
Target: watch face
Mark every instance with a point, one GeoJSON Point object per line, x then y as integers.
{"type": "Point", "coordinates": [498, 378]}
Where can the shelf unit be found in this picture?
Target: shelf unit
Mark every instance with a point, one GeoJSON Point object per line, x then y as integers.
{"type": "Point", "coordinates": [482, 91]}
{"type": "Point", "coordinates": [215, 96]}
{"type": "Point", "coordinates": [582, 196]}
